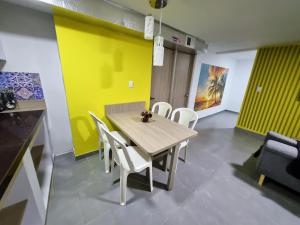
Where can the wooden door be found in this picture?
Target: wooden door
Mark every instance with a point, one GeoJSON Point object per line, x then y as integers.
{"type": "Point", "coordinates": [183, 74]}
{"type": "Point", "coordinates": [161, 79]}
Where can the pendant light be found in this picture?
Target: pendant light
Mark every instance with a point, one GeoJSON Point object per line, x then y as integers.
{"type": "Point", "coordinates": [158, 48]}
{"type": "Point", "coordinates": [149, 27]}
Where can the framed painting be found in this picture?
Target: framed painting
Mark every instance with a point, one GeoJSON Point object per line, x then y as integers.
{"type": "Point", "coordinates": [211, 85]}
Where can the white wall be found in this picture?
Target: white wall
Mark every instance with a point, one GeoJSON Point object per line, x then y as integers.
{"type": "Point", "coordinates": [239, 65]}
{"type": "Point", "coordinates": [29, 43]}
{"type": "Point", "coordinates": [217, 60]}
{"type": "Point", "coordinates": [239, 82]}
{"type": "Point", "coordinates": [2, 55]}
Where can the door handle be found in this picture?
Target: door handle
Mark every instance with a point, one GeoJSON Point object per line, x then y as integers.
{"type": "Point", "coordinates": [151, 98]}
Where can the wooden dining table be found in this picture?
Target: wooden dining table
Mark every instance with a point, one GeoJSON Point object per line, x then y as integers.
{"type": "Point", "coordinates": [154, 137]}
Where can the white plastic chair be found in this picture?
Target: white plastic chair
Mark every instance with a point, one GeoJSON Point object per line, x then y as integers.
{"type": "Point", "coordinates": [164, 109]}
{"type": "Point", "coordinates": [103, 139]}
{"type": "Point", "coordinates": [130, 159]}
{"type": "Point", "coordinates": [186, 117]}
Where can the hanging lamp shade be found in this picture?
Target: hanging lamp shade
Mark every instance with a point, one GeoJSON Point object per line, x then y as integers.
{"type": "Point", "coordinates": [158, 47]}
{"type": "Point", "coordinates": [158, 51]}
{"type": "Point", "coordinates": [149, 27]}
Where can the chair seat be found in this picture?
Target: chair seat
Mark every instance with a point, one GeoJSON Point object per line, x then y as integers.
{"type": "Point", "coordinates": [139, 159]}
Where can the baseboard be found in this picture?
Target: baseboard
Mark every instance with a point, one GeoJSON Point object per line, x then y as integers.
{"type": "Point", "coordinates": [64, 153]}
{"type": "Point", "coordinates": [79, 156]}
{"type": "Point", "coordinates": [252, 133]}
{"type": "Point", "coordinates": [86, 155]}
{"type": "Point", "coordinates": [210, 115]}
{"type": "Point", "coordinates": [228, 110]}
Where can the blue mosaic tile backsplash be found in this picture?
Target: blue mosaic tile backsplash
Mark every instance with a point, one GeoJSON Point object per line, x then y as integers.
{"type": "Point", "coordinates": [26, 86]}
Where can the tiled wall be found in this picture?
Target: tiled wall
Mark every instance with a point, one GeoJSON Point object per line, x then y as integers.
{"type": "Point", "coordinates": [26, 86]}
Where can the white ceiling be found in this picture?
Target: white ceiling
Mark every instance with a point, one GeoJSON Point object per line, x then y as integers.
{"type": "Point", "coordinates": [230, 25]}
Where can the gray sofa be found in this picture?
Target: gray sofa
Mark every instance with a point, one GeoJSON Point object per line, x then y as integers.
{"type": "Point", "coordinates": [277, 161]}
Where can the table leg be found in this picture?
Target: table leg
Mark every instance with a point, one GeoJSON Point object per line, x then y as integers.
{"type": "Point", "coordinates": [173, 167]}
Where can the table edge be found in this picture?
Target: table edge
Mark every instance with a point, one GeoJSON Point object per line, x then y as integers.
{"type": "Point", "coordinates": [163, 149]}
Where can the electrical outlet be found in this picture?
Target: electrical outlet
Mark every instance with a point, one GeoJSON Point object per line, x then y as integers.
{"type": "Point", "coordinates": [130, 84]}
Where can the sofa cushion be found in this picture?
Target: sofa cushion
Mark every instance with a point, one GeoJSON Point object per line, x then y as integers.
{"type": "Point", "coordinates": [283, 138]}
{"type": "Point", "coordinates": [285, 150]}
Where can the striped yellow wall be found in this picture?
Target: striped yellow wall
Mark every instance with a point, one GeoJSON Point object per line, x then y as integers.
{"type": "Point", "coordinates": [277, 106]}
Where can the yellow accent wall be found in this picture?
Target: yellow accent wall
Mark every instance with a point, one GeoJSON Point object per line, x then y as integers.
{"type": "Point", "coordinates": [97, 64]}
{"type": "Point", "coordinates": [277, 106]}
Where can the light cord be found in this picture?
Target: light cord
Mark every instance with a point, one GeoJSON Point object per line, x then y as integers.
{"type": "Point", "coordinates": [161, 8]}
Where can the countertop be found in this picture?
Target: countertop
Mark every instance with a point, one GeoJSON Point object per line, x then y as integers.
{"type": "Point", "coordinates": [16, 132]}
{"type": "Point", "coordinates": [28, 105]}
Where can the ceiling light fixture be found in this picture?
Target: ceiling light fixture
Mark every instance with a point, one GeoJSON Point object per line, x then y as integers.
{"type": "Point", "coordinates": [149, 27]}
{"type": "Point", "coordinates": [158, 49]}
{"type": "Point", "coordinates": [158, 4]}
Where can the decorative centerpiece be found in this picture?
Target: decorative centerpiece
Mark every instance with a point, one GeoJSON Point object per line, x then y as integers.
{"type": "Point", "coordinates": [146, 116]}
{"type": "Point", "coordinates": [7, 99]}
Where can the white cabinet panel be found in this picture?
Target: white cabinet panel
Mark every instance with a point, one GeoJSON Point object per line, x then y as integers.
{"type": "Point", "coordinates": [2, 55]}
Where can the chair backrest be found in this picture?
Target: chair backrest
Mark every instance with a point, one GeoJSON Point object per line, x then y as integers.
{"type": "Point", "coordinates": [186, 116]}
{"type": "Point", "coordinates": [98, 122]}
{"type": "Point", "coordinates": [117, 146]}
{"type": "Point", "coordinates": [163, 109]}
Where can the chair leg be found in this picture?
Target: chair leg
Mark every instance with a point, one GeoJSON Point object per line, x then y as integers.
{"type": "Point", "coordinates": [185, 154]}
{"type": "Point", "coordinates": [113, 165]}
{"type": "Point", "coordinates": [112, 175]}
{"type": "Point", "coordinates": [261, 180]}
{"type": "Point", "coordinates": [106, 159]}
{"type": "Point", "coordinates": [123, 185]}
{"type": "Point", "coordinates": [112, 162]}
{"type": "Point", "coordinates": [101, 153]}
{"type": "Point", "coordinates": [150, 176]}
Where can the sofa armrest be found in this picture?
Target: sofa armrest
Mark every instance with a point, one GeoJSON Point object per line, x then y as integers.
{"type": "Point", "coordinates": [282, 149]}
{"type": "Point", "coordinates": [281, 138]}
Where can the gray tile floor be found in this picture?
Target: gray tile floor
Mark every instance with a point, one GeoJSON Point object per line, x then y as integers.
{"type": "Point", "coordinates": [216, 186]}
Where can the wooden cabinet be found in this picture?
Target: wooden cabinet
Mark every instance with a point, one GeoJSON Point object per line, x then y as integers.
{"type": "Point", "coordinates": [29, 170]}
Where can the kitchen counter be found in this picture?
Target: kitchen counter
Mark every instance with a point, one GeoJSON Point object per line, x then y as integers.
{"type": "Point", "coordinates": [28, 105]}
{"type": "Point", "coordinates": [16, 132]}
